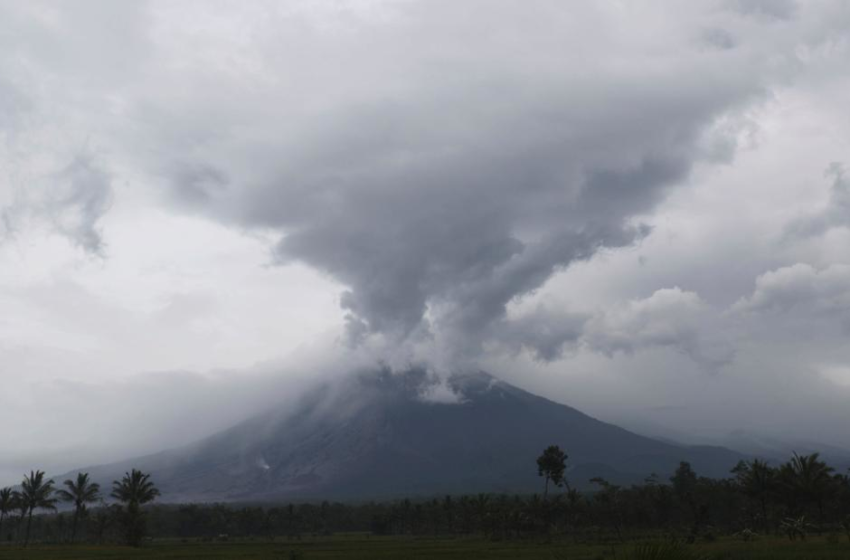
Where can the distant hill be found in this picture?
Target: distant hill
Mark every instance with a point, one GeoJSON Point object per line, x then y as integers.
{"type": "Point", "coordinates": [381, 434]}
{"type": "Point", "coordinates": [776, 450]}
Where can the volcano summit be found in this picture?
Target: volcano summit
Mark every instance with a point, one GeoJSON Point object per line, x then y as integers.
{"type": "Point", "coordinates": [384, 434]}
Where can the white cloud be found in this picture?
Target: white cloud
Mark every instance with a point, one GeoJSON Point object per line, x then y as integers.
{"type": "Point", "coordinates": [802, 290]}
{"type": "Point", "coordinates": [668, 318]}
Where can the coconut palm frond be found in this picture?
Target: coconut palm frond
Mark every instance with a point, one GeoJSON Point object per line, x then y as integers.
{"type": "Point", "coordinates": [80, 492]}
{"type": "Point", "coordinates": [135, 488]}
{"type": "Point", "coordinates": [38, 492]}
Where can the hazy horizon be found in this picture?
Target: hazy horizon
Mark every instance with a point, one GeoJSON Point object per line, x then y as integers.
{"type": "Point", "coordinates": [638, 209]}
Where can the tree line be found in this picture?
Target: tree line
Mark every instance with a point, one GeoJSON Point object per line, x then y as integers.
{"type": "Point", "coordinates": [799, 497]}
{"type": "Point", "coordinates": [132, 492]}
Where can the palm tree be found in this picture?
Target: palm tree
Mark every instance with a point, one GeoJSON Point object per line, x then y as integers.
{"type": "Point", "coordinates": [79, 493]}
{"type": "Point", "coordinates": [756, 480]}
{"type": "Point", "coordinates": [481, 503]}
{"type": "Point", "coordinates": [134, 491]}
{"type": "Point", "coordinates": [19, 505]}
{"type": "Point", "coordinates": [7, 504]}
{"type": "Point", "coordinates": [807, 479]}
{"type": "Point", "coordinates": [36, 493]}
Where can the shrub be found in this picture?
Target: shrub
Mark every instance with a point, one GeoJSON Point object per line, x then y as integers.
{"type": "Point", "coordinates": [746, 535]}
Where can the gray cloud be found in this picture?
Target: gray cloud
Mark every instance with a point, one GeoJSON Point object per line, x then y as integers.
{"type": "Point", "coordinates": [669, 318]}
{"type": "Point", "coordinates": [835, 214]}
{"type": "Point", "coordinates": [446, 233]}
{"type": "Point", "coordinates": [719, 38]}
{"type": "Point", "coordinates": [444, 183]}
{"type": "Point", "coordinates": [803, 290]}
{"type": "Point", "coordinates": [79, 195]}
{"type": "Point", "coordinates": [765, 9]}
{"type": "Point", "coordinates": [13, 105]}
{"type": "Point", "coordinates": [71, 201]}
{"type": "Point", "coordinates": [547, 332]}
{"type": "Point", "coordinates": [196, 183]}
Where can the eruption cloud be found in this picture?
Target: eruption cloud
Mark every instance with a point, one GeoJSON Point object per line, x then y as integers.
{"type": "Point", "coordinates": [441, 184]}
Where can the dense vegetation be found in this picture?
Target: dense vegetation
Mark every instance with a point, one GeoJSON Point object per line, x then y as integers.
{"type": "Point", "coordinates": [125, 515]}
{"type": "Point", "coordinates": [370, 547]}
{"type": "Point", "coordinates": [798, 500]}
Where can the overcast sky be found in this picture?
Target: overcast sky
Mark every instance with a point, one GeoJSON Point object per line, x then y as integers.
{"type": "Point", "coordinates": [640, 209]}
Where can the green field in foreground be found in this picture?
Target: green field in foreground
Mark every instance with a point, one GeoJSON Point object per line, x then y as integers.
{"type": "Point", "coordinates": [363, 547]}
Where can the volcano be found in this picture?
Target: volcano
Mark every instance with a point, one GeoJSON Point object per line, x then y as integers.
{"type": "Point", "coordinates": [382, 434]}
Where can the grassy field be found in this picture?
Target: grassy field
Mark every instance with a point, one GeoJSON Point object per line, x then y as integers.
{"type": "Point", "coordinates": [376, 548]}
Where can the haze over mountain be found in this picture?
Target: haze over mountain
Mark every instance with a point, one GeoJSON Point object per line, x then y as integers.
{"type": "Point", "coordinates": [638, 207]}
{"type": "Point", "coordinates": [385, 434]}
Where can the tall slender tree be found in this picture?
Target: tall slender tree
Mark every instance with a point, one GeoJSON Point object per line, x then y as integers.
{"type": "Point", "coordinates": [19, 506]}
{"type": "Point", "coordinates": [685, 485]}
{"type": "Point", "coordinates": [36, 493]}
{"type": "Point", "coordinates": [133, 491]}
{"type": "Point", "coordinates": [80, 493]}
{"type": "Point", "coordinates": [551, 465]}
{"type": "Point", "coordinates": [7, 505]}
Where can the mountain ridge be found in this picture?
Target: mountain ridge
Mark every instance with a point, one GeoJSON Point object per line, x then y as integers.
{"type": "Point", "coordinates": [381, 434]}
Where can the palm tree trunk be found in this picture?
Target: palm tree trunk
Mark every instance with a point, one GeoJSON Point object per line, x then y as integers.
{"type": "Point", "coordinates": [74, 525]}
{"type": "Point", "coordinates": [546, 489]}
{"type": "Point", "coordinates": [764, 514]}
{"type": "Point", "coordinates": [19, 526]}
{"type": "Point", "coordinates": [133, 519]}
{"type": "Point", "coordinates": [29, 524]}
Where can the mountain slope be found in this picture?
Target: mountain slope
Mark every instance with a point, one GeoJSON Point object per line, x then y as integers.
{"type": "Point", "coordinates": [382, 434]}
